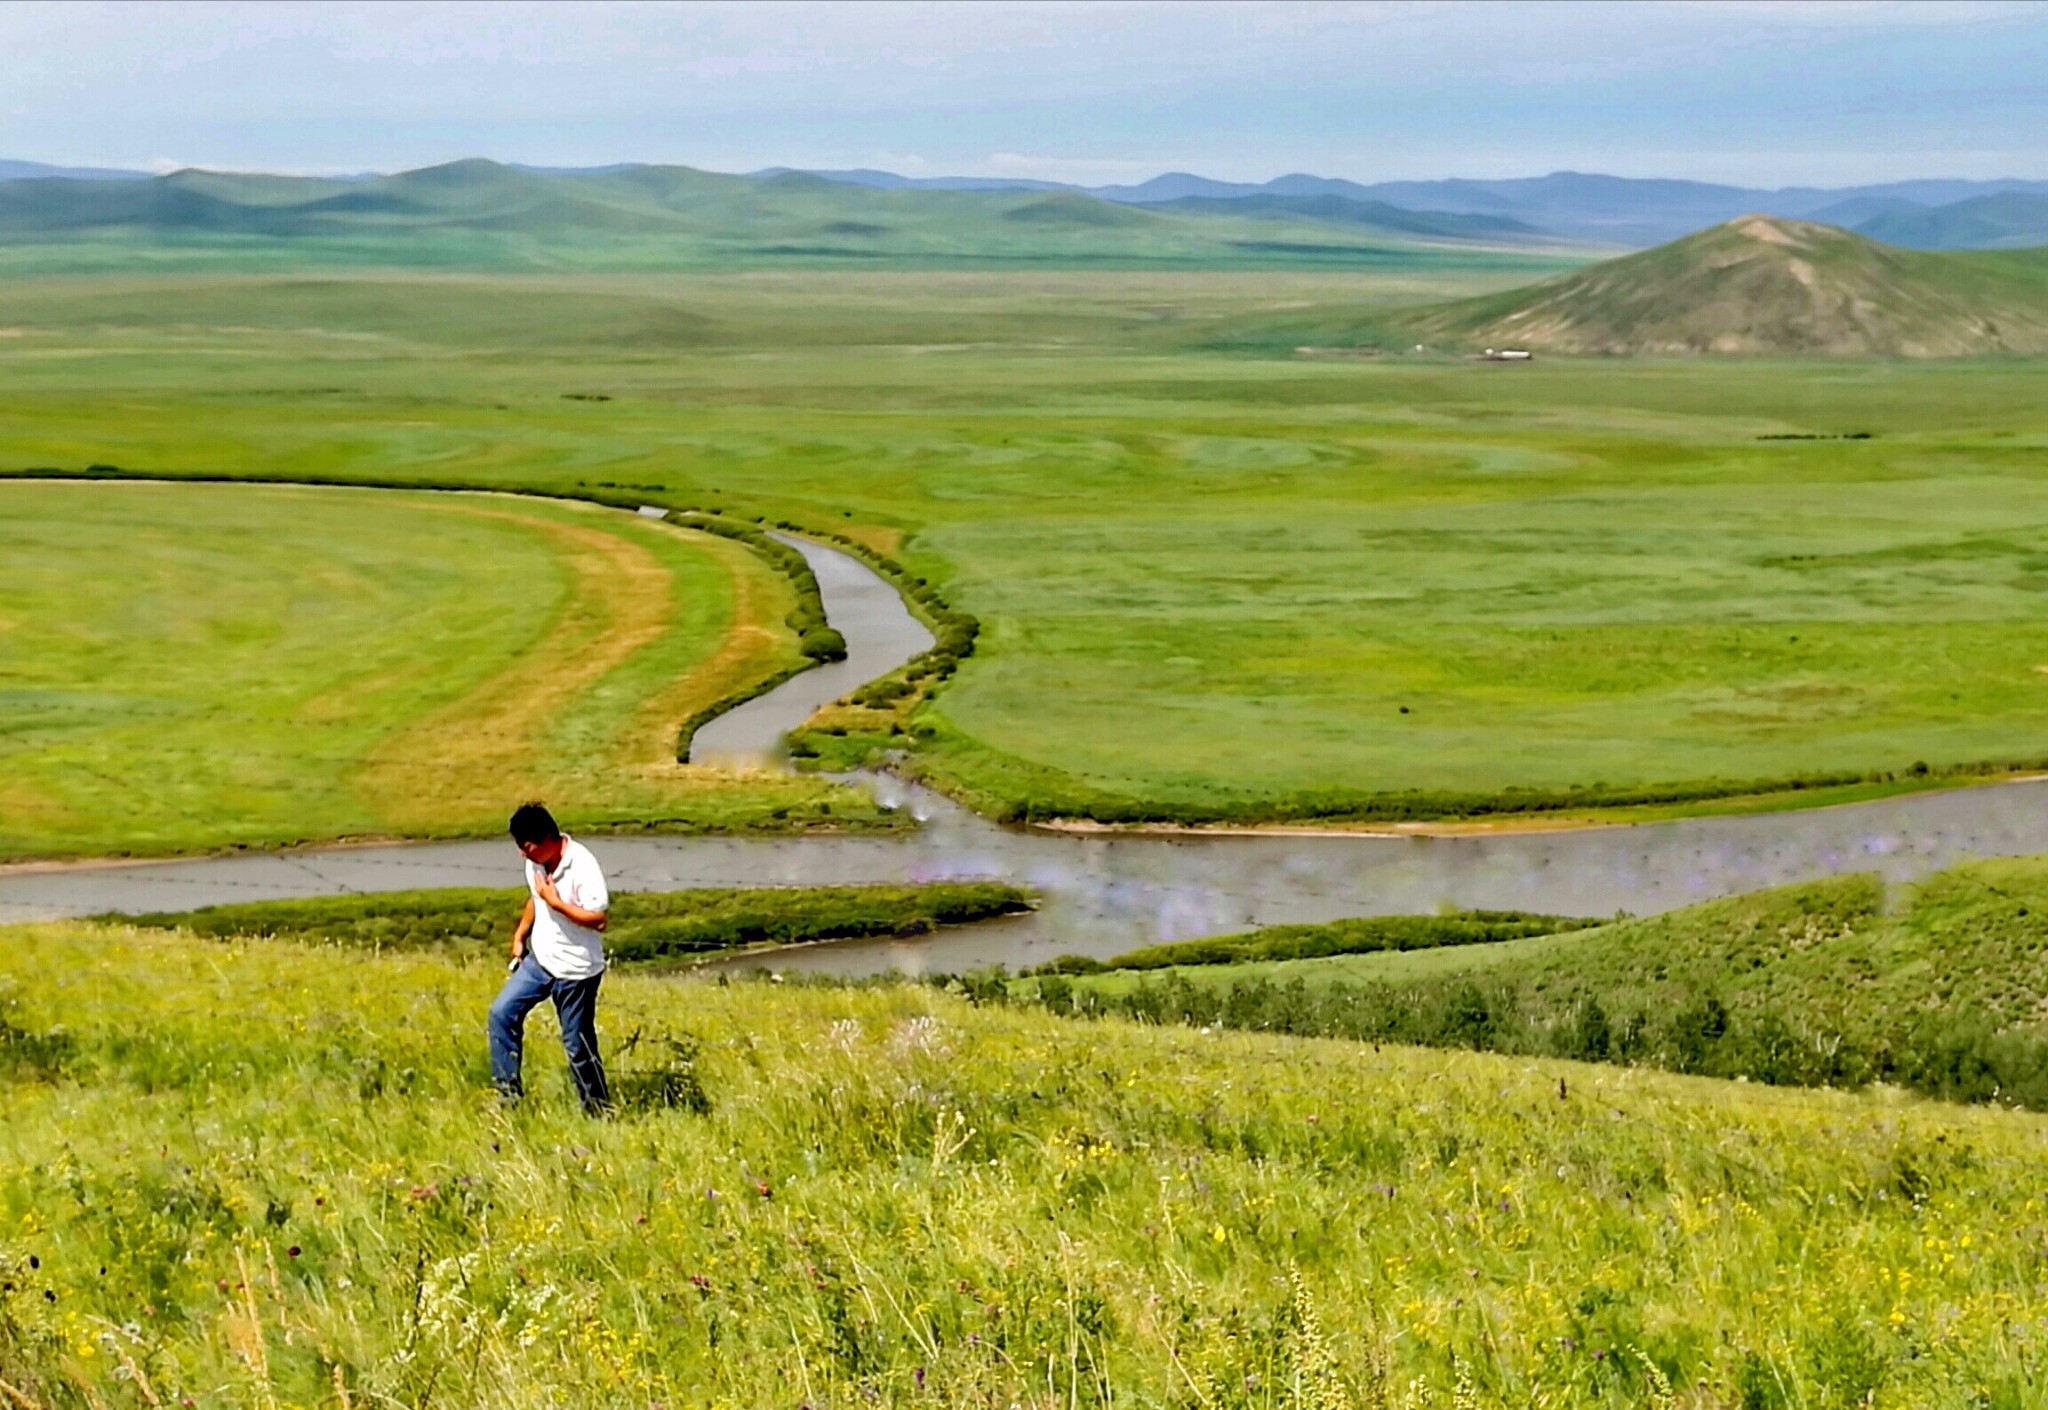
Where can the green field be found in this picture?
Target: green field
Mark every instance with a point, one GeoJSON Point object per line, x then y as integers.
{"type": "Point", "coordinates": [1218, 579]}
{"type": "Point", "coordinates": [192, 666]}
{"type": "Point", "coordinates": [260, 1173]}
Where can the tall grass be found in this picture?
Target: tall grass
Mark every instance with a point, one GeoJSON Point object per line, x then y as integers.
{"type": "Point", "coordinates": [266, 1174]}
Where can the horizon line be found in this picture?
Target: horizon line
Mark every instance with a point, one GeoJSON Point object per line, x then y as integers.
{"type": "Point", "coordinates": [155, 172]}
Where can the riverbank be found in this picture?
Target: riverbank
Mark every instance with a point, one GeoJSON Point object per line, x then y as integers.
{"type": "Point", "coordinates": [1778, 801]}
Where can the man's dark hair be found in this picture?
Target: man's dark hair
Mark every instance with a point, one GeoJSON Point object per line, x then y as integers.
{"type": "Point", "coordinates": [533, 823]}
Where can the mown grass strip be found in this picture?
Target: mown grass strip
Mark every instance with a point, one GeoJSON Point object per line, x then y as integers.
{"type": "Point", "coordinates": [817, 639]}
{"type": "Point", "coordinates": [561, 643]}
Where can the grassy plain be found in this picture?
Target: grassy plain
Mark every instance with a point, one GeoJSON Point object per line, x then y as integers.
{"type": "Point", "coordinates": [191, 666]}
{"type": "Point", "coordinates": [1217, 578]}
{"type": "Point", "coordinates": [261, 1174]}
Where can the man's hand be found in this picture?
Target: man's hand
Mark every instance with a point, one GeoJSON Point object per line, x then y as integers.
{"type": "Point", "coordinates": [544, 887]}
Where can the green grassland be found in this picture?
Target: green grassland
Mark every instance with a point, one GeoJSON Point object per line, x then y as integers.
{"type": "Point", "coordinates": [1943, 986]}
{"type": "Point", "coordinates": [1217, 579]}
{"type": "Point", "coordinates": [191, 666]}
{"type": "Point", "coordinates": [260, 1173]}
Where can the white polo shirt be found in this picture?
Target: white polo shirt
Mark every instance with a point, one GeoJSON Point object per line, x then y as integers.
{"type": "Point", "coordinates": [560, 946]}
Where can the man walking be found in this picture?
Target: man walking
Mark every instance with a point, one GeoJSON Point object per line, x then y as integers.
{"type": "Point", "coordinates": [557, 953]}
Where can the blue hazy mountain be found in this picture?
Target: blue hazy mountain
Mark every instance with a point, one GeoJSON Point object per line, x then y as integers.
{"type": "Point", "coordinates": [1575, 207]}
{"type": "Point", "coordinates": [2006, 220]}
{"type": "Point", "coordinates": [1589, 207]}
{"type": "Point", "coordinates": [477, 214]}
{"type": "Point", "coordinates": [29, 171]}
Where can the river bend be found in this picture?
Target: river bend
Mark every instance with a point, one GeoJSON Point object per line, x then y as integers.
{"type": "Point", "coordinates": [1107, 892]}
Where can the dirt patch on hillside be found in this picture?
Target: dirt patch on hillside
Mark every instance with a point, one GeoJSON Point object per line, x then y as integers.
{"type": "Point", "coordinates": [1771, 232]}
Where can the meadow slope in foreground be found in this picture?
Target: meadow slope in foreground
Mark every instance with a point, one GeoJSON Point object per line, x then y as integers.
{"type": "Point", "coordinates": [262, 1174]}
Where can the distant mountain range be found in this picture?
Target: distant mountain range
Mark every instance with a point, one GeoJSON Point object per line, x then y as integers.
{"type": "Point", "coordinates": [883, 214]}
{"type": "Point", "coordinates": [26, 171]}
{"type": "Point", "coordinates": [1611, 210]}
{"type": "Point", "coordinates": [485, 215]}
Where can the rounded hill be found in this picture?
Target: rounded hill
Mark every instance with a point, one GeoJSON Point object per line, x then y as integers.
{"type": "Point", "coordinates": [1761, 285]}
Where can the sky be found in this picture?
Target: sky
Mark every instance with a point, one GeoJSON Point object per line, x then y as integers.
{"type": "Point", "coordinates": [1740, 91]}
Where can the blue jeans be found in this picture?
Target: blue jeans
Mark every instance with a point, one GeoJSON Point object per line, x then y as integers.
{"type": "Point", "coordinates": [575, 1005]}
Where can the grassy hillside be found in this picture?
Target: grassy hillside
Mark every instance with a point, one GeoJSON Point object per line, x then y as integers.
{"type": "Point", "coordinates": [480, 215]}
{"type": "Point", "coordinates": [1761, 285]}
{"type": "Point", "coordinates": [193, 666]}
{"type": "Point", "coordinates": [262, 1174]}
{"type": "Point", "coordinates": [1943, 987]}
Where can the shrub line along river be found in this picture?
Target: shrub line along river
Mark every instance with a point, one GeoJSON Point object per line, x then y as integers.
{"type": "Point", "coordinates": [1108, 892]}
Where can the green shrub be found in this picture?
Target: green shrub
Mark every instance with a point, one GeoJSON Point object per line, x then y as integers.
{"type": "Point", "coordinates": [881, 691]}
{"type": "Point", "coordinates": [822, 643]}
{"type": "Point", "coordinates": [1069, 964]}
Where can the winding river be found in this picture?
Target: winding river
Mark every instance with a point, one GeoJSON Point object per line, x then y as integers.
{"type": "Point", "coordinates": [1107, 892]}
{"type": "Point", "coordinates": [880, 636]}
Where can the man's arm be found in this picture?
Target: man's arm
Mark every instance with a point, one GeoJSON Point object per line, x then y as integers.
{"type": "Point", "coordinates": [521, 931]}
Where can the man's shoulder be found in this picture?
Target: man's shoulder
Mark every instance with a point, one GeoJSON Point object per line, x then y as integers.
{"type": "Point", "coordinates": [579, 856]}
